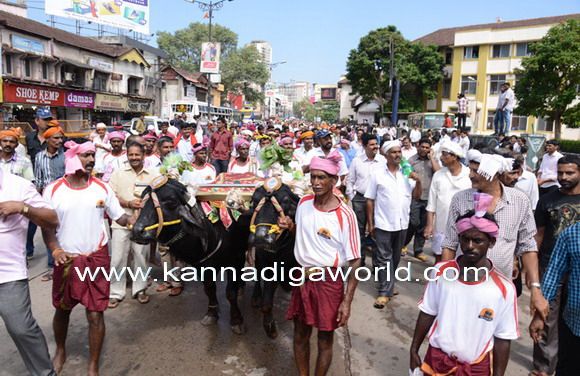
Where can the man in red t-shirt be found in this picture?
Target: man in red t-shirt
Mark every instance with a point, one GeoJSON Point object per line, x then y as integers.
{"type": "Point", "coordinates": [221, 146]}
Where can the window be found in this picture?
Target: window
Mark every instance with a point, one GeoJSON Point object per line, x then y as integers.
{"type": "Point", "coordinates": [468, 85]}
{"type": "Point", "coordinates": [471, 52]}
{"type": "Point", "coordinates": [495, 81]}
{"type": "Point", "coordinates": [8, 65]}
{"type": "Point", "coordinates": [500, 50]}
{"type": "Point", "coordinates": [44, 70]}
{"type": "Point", "coordinates": [100, 81]}
{"type": "Point", "coordinates": [448, 56]}
{"type": "Point", "coordinates": [27, 68]}
{"type": "Point", "coordinates": [490, 116]}
{"type": "Point", "coordinates": [519, 123]}
{"type": "Point", "coordinates": [446, 88]}
{"type": "Point", "coordinates": [133, 85]}
{"type": "Point", "coordinates": [545, 124]}
{"type": "Point", "coordinates": [522, 49]}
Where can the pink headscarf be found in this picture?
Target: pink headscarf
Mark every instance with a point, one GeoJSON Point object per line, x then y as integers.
{"type": "Point", "coordinates": [241, 142]}
{"type": "Point", "coordinates": [117, 134]}
{"type": "Point", "coordinates": [72, 161]}
{"type": "Point", "coordinates": [201, 146]}
{"type": "Point", "coordinates": [330, 164]}
{"type": "Point", "coordinates": [481, 203]}
{"type": "Point", "coordinates": [284, 139]}
{"type": "Point", "coordinates": [150, 136]}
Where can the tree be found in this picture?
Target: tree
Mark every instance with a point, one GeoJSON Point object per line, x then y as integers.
{"type": "Point", "coordinates": [328, 111]}
{"type": "Point", "coordinates": [184, 46]}
{"type": "Point", "coordinates": [549, 79]}
{"type": "Point", "coordinates": [417, 67]}
{"type": "Point", "coordinates": [243, 73]}
{"type": "Point", "coordinates": [304, 110]}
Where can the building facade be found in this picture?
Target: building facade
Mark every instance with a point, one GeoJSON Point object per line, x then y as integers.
{"type": "Point", "coordinates": [82, 80]}
{"type": "Point", "coordinates": [478, 59]}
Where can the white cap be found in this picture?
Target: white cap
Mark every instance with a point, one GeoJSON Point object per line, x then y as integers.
{"type": "Point", "coordinates": [389, 145]}
{"type": "Point", "coordinates": [101, 125]}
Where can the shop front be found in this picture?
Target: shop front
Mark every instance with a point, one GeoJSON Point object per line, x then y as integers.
{"type": "Point", "coordinates": [137, 107]}
{"type": "Point", "coordinates": [109, 109]}
{"type": "Point", "coordinates": [22, 100]}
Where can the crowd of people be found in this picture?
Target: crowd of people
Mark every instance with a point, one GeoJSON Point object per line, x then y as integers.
{"type": "Point", "coordinates": [367, 190]}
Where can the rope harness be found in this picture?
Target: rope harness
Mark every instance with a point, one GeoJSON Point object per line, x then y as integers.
{"type": "Point", "coordinates": [274, 228]}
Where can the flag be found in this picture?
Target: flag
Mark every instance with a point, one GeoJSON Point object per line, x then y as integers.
{"type": "Point", "coordinates": [206, 15]}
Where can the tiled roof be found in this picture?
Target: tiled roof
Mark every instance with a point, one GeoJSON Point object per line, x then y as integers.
{"type": "Point", "coordinates": [27, 26]}
{"type": "Point", "coordinates": [446, 37]}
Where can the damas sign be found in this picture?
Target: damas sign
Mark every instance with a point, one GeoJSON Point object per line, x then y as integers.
{"type": "Point", "coordinates": [17, 93]}
{"type": "Point", "coordinates": [80, 99]}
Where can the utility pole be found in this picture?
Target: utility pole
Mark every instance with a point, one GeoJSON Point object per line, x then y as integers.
{"type": "Point", "coordinates": [209, 8]}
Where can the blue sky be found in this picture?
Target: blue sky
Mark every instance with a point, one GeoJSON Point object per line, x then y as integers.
{"type": "Point", "coordinates": [315, 36]}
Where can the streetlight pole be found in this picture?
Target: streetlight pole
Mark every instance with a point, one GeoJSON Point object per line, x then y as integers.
{"type": "Point", "coordinates": [209, 7]}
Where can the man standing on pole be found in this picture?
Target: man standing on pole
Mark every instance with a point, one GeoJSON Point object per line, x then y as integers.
{"type": "Point", "coordinates": [327, 238]}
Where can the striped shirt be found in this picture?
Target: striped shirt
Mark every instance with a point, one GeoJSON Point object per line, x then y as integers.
{"type": "Point", "coordinates": [566, 259]}
{"type": "Point", "coordinates": [18, 165]}
{"type": "Point", "coordinates": [515, 219]}
{"type": "Point", "coordinates": [48, 168]}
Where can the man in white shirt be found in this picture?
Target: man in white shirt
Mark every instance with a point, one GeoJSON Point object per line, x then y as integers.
{"type": "Point", "coordinates": [115, 159]}
{"type": "Point", "coordinates": [464, 141]}
{"type": "Point", "coordinates": [415, 135]}
{"type": "Point", "coordinates": [527, 182]}
{"type": "Point", "coordinates": [327, 238]}
{"type": "Point", "coordinates": [504, 109]}
{"type": "Point", "coordinates": [408, 150]}
{"type": "Point", "coordinates": [324, 138]}
{"type": "Point", "coordinates": [19, 204]}
{"type": "Point", "coordinates": [548, 171]}
{"type": "Point", "coordinates": [388, 205]}
{"type": "Point", "coordinates": [359, 174]}
{"type": "Point", "coordinates": [454, 177]}
{"type": "Point", "coordinates": [79, 246]}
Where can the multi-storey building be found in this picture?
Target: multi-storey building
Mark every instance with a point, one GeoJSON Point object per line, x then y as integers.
{"type": "Point", "coordinates": [82, 80]}
{"type": "Point", "coordinates": [478, 59]}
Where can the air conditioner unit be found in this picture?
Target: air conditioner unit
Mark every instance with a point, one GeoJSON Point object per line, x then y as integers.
{"type": "Point", "coordinates": [69, 76]}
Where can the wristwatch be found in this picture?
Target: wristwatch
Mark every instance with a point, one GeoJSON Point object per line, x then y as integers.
{"type": "Point", "coordinates": [536, 285]}
{"type": "Point", "coordinates": [25, 210]}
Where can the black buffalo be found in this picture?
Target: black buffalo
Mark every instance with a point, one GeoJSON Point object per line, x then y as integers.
{"type": "Point", "coordinates": [271, 246]}
{"type": "Point", "coordinates": [196, 241]}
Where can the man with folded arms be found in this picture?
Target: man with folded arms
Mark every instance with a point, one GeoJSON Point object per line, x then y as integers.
{"type": "Point", "coordinates": [327, 238]}
{"type": "Point", "coordinates": [79, 246]}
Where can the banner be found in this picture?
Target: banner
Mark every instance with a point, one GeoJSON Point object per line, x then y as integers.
{"type": "Point", "coordinates": [110, 102]}
{"type": "Point", "coordinates": [79, 99]}
{"type": "Point", "coordinates": [124, 14]}
{"type": "Point", "coordinates": [210, 57]}
{"type": "Point", "coordinates": [18, 93]}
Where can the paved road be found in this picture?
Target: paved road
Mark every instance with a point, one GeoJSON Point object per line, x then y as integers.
{"type": "Point", "coordinates": [165, 336]}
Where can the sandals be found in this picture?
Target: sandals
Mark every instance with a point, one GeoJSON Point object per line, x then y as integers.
{"type": "Point", "coordinates": [143, 298]}
{"type": "Point", "coordinates": [381, 302]}
{"type": "Point", "coordinates": [176, 291]}
{"type": "Point", "coordinates": [47, 277]}
{"type": "Point", "coordinates": [113, 303]}
{"type": "Point", "coordinates": [422, 257]}
{"type": "Point", "coordinates": [163, 287]}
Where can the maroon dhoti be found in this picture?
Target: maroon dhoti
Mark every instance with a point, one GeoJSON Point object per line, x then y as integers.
{"type": "Point", "coordinates": [68, 289]}
{"type": "Point", "coordinates": [316, 303]}
{"type": "Point", "coordinates": [439, 363]}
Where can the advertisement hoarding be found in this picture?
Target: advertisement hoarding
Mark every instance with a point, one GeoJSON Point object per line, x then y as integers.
{"type": "Point", "coordinates": [210, 57]}
{"type": "Point", "coordinates": [328, 94]}
{"type": "Point", "coordinates": [32, 94]}
{"type": "Point", "coordinates": [124, 14]}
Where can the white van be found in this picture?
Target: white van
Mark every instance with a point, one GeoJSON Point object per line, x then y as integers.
{"type": "Point", "coordinates": [147, 120]}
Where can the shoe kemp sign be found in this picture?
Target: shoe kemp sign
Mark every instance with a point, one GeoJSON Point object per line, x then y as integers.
{"type": "Point", "coordinates": [125, 14]}
{"type": "Point", "coordinates": [31, 94]}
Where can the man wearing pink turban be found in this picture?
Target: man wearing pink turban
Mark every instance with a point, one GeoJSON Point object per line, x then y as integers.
{"type": "Point", "coordinates": [327, 238]}
{"type": "Point", "coordinates": [242, 163]}
{"type": "Point", "coordinates": [80, 244]}
{"type": "Point", "coordinates": [474, 304]}
{"type": "Point", "coordinates": [114, 160]}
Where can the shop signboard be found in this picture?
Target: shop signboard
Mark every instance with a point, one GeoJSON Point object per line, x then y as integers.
{"type": "Point", "coordinates": [79, 99]}
{"type": "Point", "coordinates": [31, 94]}
{"type": "Point", "coordinates": [27, 44]}
{"type": "Point", "coordinates": [110, 102]}
{"type": "Point", "coordinates": [101, 65]}
{"type": "Point", "coordinates": [136, 105]}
